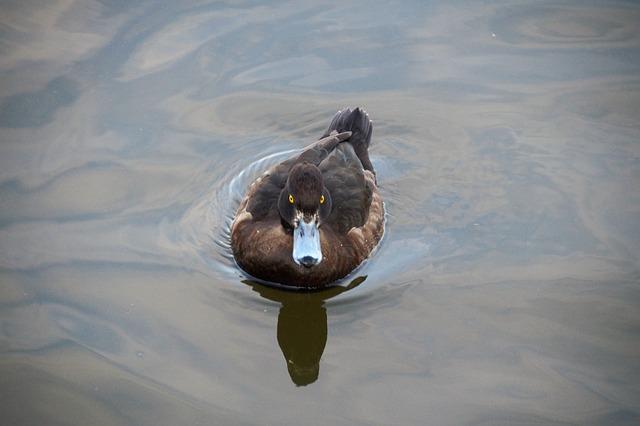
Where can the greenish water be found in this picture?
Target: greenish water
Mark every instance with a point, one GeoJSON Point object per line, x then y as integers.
{"type": "Point", "coordinates": [506, 142]}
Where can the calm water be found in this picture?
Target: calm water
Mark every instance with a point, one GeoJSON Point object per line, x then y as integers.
{"type": "Point", "coordinates": [507, 144]}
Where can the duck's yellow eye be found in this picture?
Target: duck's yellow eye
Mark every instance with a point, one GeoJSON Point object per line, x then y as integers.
{"type": "Point", "coordinates": [321, 199]}
{"type": "Point", "coordinates": [291, 200]}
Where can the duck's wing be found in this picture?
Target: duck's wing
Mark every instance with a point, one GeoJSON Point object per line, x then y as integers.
{"type": "Point", "coordinates": [351, 192]}
{"type": "Point", "coordinates": [319, 150]}
{"type": "Point", "coordinates": [358, 123]}
{"type": "Point", "coordinates": [346, 125]}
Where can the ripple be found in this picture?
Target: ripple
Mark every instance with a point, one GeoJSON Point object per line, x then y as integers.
{"type": "Point", "coordinates": [568, 26]}
{"type": "Point", "coordinates": [204, 229]}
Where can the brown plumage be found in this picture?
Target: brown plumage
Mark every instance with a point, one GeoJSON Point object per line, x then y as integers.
{"type": "Point", "coordinates": [332, 180]}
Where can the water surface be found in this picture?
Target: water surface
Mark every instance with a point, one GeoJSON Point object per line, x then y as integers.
{"type": "Point", "coordinates": [506, 141]}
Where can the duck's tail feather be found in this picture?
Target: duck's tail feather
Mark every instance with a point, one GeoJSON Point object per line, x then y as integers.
{"type": "Point", "coordinates": [358, 123]}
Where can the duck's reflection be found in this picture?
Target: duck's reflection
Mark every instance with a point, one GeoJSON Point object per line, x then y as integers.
{"type": "Point", "coordinates": [302, 327]}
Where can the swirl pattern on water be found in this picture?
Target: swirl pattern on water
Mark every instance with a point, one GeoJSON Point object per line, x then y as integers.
{"type": "Point", "coordinates": [568, 26]}
{"type": "Point", "coordinates": [506, 286]}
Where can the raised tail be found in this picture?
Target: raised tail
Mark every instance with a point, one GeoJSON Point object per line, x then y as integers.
{"type": "Point", "coordinates": [356, 121]}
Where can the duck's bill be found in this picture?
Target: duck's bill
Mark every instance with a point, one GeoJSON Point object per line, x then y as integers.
{"type": "Point", "coordinates": [306, 244]}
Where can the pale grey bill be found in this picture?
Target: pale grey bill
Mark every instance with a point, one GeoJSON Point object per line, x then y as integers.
{"type": "Point", "coordinates": [306, 244]}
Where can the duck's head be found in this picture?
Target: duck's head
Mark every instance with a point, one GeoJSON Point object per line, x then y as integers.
{"type": "Point", "coordinates": [304, 204]}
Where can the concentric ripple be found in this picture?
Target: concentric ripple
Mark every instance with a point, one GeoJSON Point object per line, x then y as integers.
{"type": "Point", "coordinates": [203, 232]}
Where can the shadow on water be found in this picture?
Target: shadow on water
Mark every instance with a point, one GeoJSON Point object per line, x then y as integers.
{"type": "Point", "coordinates": [302, 326]}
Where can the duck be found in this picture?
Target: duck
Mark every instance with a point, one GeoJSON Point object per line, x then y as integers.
{"type": "Point", "coordinates": [312, 219]}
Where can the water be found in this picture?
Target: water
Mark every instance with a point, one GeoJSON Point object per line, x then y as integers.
{"type": "Point", "coordinates": [506, 140]}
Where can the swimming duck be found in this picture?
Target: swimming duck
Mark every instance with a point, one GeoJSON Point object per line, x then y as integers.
{"type": "Point", "coordinates": [313, 218]}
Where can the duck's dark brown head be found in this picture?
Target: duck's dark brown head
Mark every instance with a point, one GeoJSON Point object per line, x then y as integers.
{"type": "Point", "coordinates": [304, 204]}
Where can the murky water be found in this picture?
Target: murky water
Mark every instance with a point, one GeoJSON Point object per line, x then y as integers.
{"type": "Point", "coordinates": [506, 140]}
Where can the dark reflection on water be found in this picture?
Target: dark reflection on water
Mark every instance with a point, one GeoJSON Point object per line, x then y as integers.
{"type": "Point", "coordinates": [507, 286]}
{"type": "Point", "coordinates": [302, 326]}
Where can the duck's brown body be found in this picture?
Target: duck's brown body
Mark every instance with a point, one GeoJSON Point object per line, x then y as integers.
{"type": "Point", "coordinates": [262, 244]}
